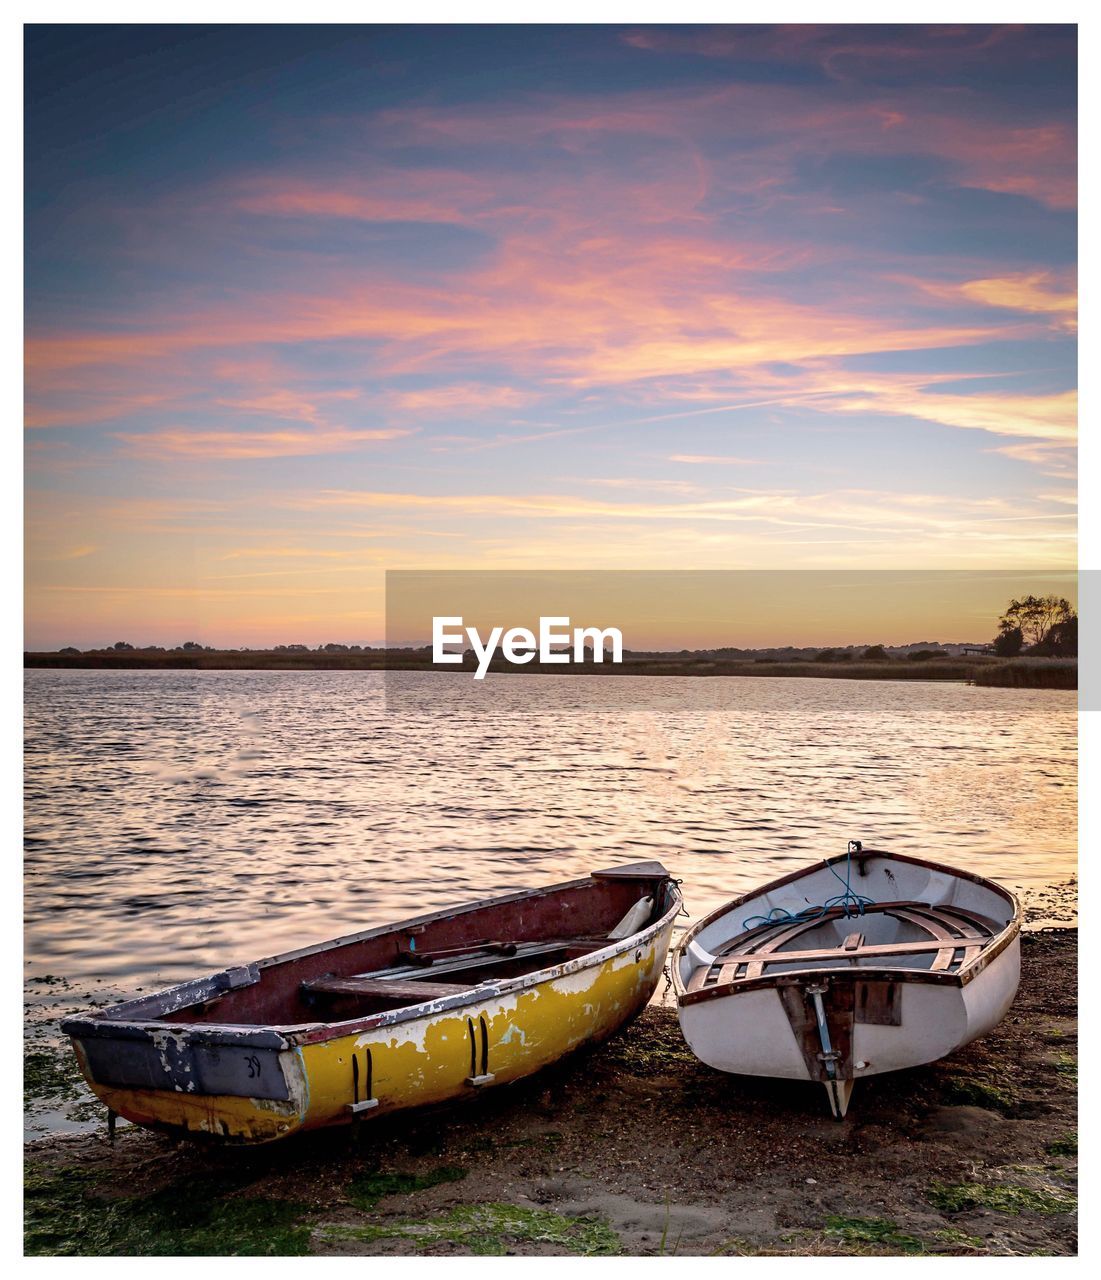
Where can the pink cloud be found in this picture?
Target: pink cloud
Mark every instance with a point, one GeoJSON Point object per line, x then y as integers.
{"type": "Point", "coordinates": [600, 278]}
{"type": "Point", "coordinates": [237, 445]}
{"type": "Point", "coordinates": [459, 397]}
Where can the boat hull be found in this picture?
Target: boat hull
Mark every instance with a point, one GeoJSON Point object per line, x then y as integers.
{"type": "Point", "coordinates": [751, 1032]}
{"type": "Point", "coordinates": [913, 962]}
{"type": "Point", "coordinates": [329, 1078]}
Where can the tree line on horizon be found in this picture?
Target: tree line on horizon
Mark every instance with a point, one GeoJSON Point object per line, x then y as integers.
{"type": "Point", "coordinates": [1035, 626]}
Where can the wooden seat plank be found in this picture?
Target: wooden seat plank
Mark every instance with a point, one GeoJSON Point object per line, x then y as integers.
{"type": "Point", "coordinates": [764, 941]}
{"type": "Point", "coordinates": [952, 930]}
{"type": "Point", "coordinates": [834, 913]}
{"type": "Point", "coordinates": [871, 951]}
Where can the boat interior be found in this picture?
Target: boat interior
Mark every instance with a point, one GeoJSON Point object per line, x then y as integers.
{"type": "Point", "coordinates": [947, 922]}
{"type": "Point", "coordinates": [431, 958]}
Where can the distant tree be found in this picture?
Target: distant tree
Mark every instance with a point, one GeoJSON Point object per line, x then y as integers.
{"type": "Point", "coordinates": [121, 644]}
{"type": "Point", "coordinates": [827, 655]}
{"type": "Point", "coordinates": [1035, 616]}
{"type": "Point", "coordinates": [1008, 642]}
{"type": "Point", "coordinates": [874, 653]}
{"type": "Point", "coordinates": [1061, 641]}
{"type": "Point", "coordinates": [190, 646]}
{"type": "Point", "coordinates": [924, 655]}
{"type": "Point", "coordinates": [68, 650]}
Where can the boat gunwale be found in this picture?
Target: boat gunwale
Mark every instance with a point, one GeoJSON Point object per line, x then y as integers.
{"type": "Point", "coordinates": [290, 1035]}
{"type": "Point", "coordinates": [960, 977]}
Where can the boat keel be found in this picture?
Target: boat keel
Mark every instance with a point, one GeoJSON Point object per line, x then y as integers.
{"type": "Point", "coordinates": [839, 1092]}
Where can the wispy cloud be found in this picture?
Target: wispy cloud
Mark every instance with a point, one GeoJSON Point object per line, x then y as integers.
{"type": "Point", "coordinates": [713, 460]}
{"type": "Point", "coordinates": [238, 445]}
{"type": "Point", "coordinates": [463, 319]}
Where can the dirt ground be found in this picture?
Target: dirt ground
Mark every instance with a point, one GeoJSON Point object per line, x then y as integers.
{"type": "Point", "coordinates": [633, 1147]}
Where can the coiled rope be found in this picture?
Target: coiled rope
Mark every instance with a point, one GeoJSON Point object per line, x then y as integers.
{"type": "Point", "coordinates": [850, 901]}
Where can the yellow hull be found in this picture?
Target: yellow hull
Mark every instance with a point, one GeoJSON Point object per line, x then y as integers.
{"type": "Point", "coordinates": [419, 1060]}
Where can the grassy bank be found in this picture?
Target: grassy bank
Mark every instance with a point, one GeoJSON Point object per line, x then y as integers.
{"type": "Point", "coordinates": [1030, 673]}
{"type": "Point", "coordinates": [631, 1148]}
{"type": "Point", "coordinates": [1024, 673]}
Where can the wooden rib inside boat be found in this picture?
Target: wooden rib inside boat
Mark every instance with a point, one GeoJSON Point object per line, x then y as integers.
{"type": "Point", "coordinates": [914, 960]}
{"type": "Point", "coordinates": [418, 1012]}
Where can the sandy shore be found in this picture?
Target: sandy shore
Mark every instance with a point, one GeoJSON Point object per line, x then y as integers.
{"type": "Point", "coordinates": [632, 1148]}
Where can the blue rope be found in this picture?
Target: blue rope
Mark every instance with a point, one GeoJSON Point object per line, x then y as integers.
{"type": "Point", "coordinates": [852, 902]}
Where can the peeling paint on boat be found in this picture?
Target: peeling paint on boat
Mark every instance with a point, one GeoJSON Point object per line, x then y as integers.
{"type": "Point", "coordinates": [432, 1052]}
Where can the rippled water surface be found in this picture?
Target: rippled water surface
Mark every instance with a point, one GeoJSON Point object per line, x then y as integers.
{"type": "Point", "coordinates": [178, 821]}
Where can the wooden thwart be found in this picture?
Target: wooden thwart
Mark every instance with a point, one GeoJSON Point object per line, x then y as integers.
{"type": "Point", "coordinates": [837, 953]}
{"type": "Point", "coordinates": [951, 930]}
{"type": "Point", "coordinates": [800, 923]}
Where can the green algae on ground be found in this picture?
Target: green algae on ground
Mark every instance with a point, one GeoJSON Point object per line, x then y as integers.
{"type": "Point", "coordinates": [877, 1231]}
{"type": "Point", "coordinates": [1066, 1064]}
{"type": "Point", "coordinates": [1003, 1197]}
{"type": "Point", "coordinates": [1067, 1145]}
{"type": "Point", "coordinates": [51, 1073]}
{"type": "Point", "coordinates": [973, 1092]}
{"type": "Point", "coordinates": [659, 1058]}
{"type": "Point", "coordinates": [952, 1236]}
{"type": "Point", "coordinates": [53, 1085]}
{"type": "Point", "coordinates": [366, 1189]}
{"type": "Point", "coordinates": [67, 1213]}
{"type": "Point", "coordinates": [488, 1229]}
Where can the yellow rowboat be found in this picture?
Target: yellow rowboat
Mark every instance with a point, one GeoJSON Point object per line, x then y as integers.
{"type": "Point", "coordinates": [428, 1010]}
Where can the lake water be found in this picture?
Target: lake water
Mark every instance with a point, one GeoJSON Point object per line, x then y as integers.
{"type": "Point", "coordinates": [177, 822]}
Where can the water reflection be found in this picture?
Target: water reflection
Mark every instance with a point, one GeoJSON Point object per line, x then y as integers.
{"type": "Point", "coordinates": [179, 821]}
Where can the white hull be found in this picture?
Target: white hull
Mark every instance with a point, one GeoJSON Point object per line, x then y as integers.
{"type": "Point", "coordinates": [749, 1034]}
{"type": "Point", "coordinates": [847, 1014]}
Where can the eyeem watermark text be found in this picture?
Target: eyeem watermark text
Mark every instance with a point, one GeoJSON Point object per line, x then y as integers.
{"type": "Point", "coordinates": [556, 643]}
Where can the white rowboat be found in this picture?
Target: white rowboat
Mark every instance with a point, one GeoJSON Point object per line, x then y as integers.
{"type": "Point", "coordinates": [799, 981]}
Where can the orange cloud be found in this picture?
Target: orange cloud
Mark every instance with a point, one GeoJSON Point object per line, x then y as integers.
{"type": "Point", "coordinates": [237, 445]}
{"type": "Point", "coordinates": [1036, 292]}
{"type": "Point", "coordinates": [1052, 418]}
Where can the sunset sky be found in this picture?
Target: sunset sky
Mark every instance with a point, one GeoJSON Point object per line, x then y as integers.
{"type": "Point", "coordinates": [307, 304]}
